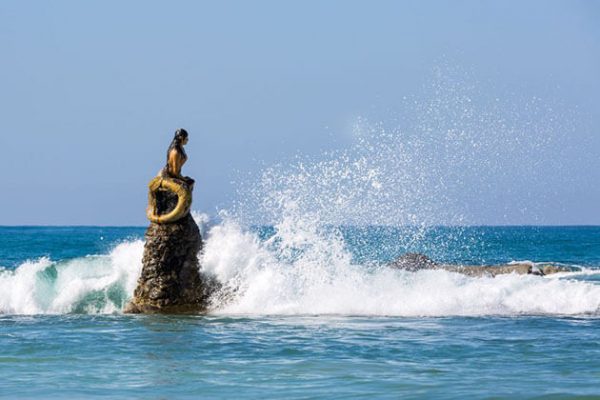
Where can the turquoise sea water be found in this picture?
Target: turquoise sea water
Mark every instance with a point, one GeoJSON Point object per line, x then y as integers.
{"type": "Point", "coordinates": [319, 317]}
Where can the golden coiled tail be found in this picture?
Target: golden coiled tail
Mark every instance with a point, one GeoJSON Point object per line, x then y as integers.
{"type": "Point", "coordinates": [184, 199]}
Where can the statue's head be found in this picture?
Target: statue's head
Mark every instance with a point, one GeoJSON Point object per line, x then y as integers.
{"type": "Point", "coordinates": [181, 136]}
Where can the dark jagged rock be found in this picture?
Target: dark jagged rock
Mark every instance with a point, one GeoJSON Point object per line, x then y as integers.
{"type": "Point", "coordinates": [170, 281]}
{"type": "Point", "coordinates": [415, 262]}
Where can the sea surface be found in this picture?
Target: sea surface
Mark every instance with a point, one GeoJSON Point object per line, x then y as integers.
{"type": "Point", "coordinates": [317, 314]}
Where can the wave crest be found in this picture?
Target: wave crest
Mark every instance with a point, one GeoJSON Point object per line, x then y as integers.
{"type": "Point", "coordinates": [92, 284]}
{"type": "Point", "coordinates": [294, 272]}
{"type": "Point", "coordinates": [275, 277]}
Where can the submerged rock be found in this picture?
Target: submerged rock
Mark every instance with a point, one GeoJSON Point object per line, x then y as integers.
{"type": "Point", "coordinates": [413, 262]}
{"type": "Point", "coordinates": [416, 262]}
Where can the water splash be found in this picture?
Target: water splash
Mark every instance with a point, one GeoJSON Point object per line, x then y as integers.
{"type": "Point", "coordinates": [456, 155]}
{"type": "Point", "coordinates": [459, 155]}
{"type": "Point", "coordinates": [314, 274]}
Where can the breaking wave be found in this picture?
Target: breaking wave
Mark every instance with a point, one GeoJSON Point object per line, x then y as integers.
{"type": "Point", "coordinates": [295, 271]}
{"type": "Point", "coordinates": [93, 284]}
{"type": "Point", "coordinates": [273, 277]}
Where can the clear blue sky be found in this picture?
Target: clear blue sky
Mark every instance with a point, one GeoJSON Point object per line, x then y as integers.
{"type": "Point", "coordinates": [91, 92]}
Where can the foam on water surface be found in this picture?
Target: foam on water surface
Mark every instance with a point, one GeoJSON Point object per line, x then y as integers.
{"type": "Point", "coordinates": [300, 270]}
{"type": "Point", "coordinates": [92, 284]}
{"type": "Point", "coordinates": [270, 278]}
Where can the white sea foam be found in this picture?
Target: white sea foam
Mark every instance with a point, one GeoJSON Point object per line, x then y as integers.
{"type": "Point", "coordinates": [272, 278]}
{"type": "Point", "coordinates": [300, 270]}
{"type": "Point", "coordinates": [93, 284]}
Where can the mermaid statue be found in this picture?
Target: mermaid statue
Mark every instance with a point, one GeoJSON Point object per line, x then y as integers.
{"type": "Point", "coordinates": [169, 183]}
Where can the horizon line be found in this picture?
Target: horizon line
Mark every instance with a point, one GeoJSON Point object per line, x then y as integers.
{"type": "Point", "coordinates": [341, 225]}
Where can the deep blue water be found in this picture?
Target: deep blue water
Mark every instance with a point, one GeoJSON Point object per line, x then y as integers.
{"type": "Point", "coordinates": [18, 244]}
{"type": "Point", "coordinates": [53, 346]}
{"type": "Point", "coordinates": [472, 245]}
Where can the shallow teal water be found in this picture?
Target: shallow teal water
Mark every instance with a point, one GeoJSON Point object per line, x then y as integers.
{"type": "Point", "coordinates": [524, 353]}
{"type": "Point", "coordinates": [298, 357]}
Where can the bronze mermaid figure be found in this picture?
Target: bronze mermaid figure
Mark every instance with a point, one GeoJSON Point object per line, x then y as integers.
{"type": "Point", "coordinates": [171, 180]}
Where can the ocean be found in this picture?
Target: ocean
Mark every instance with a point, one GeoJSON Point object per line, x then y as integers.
{"type": "Point", "coordinates": [316, 314]}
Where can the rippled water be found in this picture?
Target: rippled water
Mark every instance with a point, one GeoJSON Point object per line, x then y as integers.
{"type": "Point", "coordinates": [298, 357]}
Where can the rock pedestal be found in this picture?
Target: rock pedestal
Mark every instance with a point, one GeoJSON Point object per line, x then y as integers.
{"type": "Point", "coordinates": [170, 281]}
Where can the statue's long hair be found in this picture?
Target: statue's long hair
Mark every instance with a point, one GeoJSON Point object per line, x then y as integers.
{"type": "Point", "coordinates": [177, 143]}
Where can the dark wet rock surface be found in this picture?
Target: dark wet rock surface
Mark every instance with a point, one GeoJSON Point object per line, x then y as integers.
{"type": "Point", "coordinates": [416, 262]}
{"type": "Point", "coordinates": [413, 262]}
{"type": "Point", "coordinates": [171, 281]}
